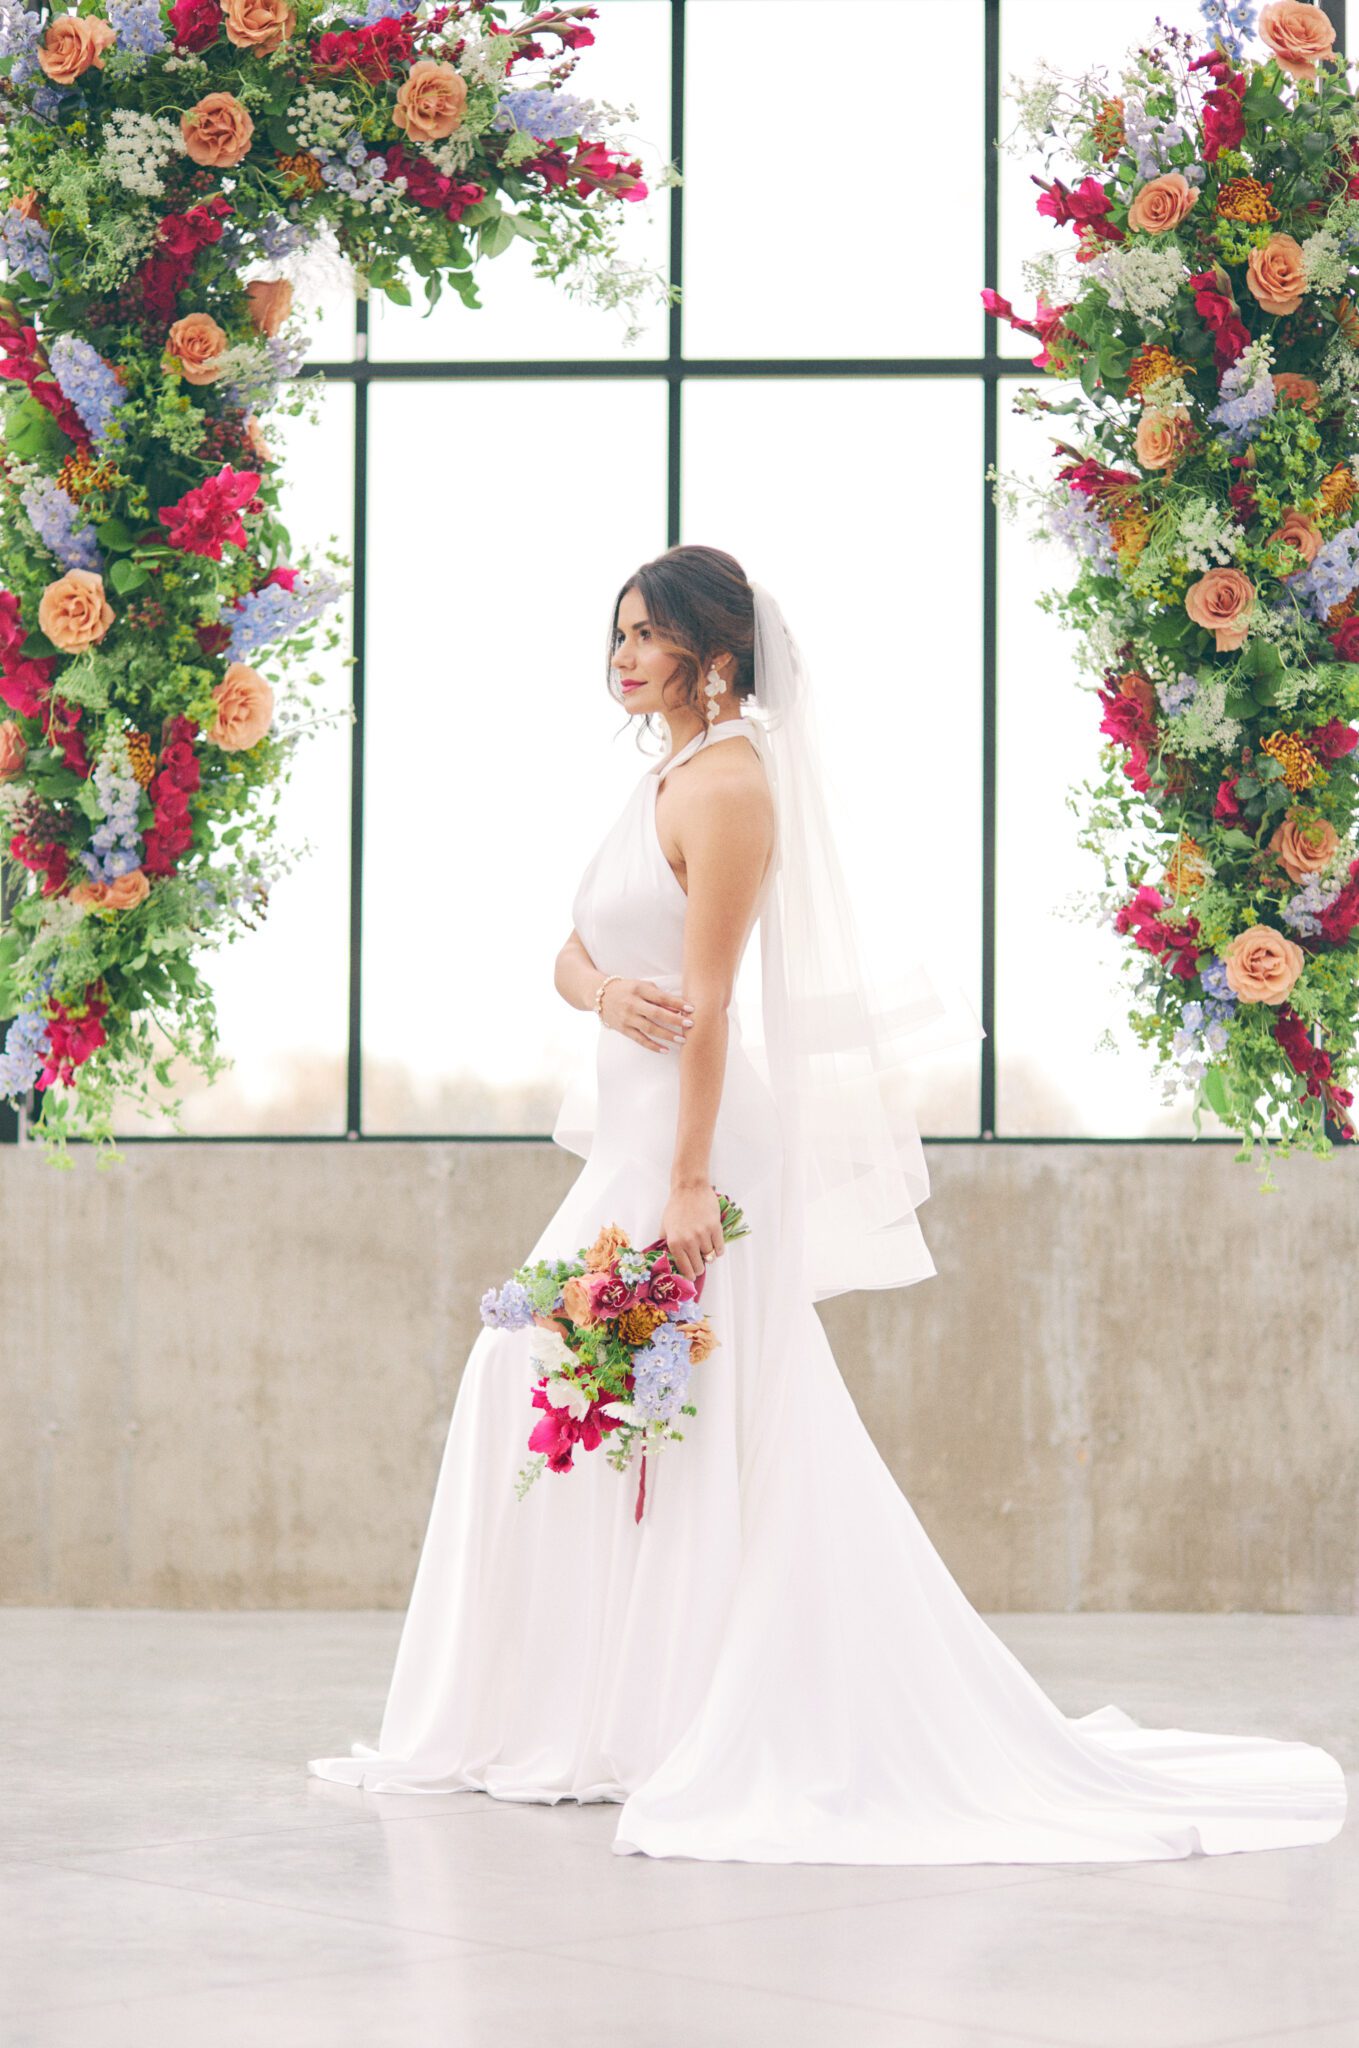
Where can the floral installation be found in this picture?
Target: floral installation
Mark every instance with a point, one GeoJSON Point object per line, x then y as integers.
{"type": "Point", "coordinates": [619, 1334]}
{"type": "Point", "coordinates": [1202, 294]}
{"type": "Point", "coordinates": [169, 172]}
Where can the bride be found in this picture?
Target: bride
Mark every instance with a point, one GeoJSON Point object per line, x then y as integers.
{"type": "Point", "coordinates": [774, 1663]}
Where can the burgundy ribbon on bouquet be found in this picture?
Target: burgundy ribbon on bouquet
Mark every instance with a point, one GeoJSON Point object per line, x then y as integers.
{"type": "Point", "coordinates": [657, 1244]}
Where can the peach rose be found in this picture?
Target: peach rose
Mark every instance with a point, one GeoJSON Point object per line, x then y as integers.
{"type": "Point", "coordinates": [1298, 35]}
{"type": "Point", "coordinates": [576, 1301]}
{"type": "Point", "coordinates": [1304, 850]}
{"type": "Point", "coordinates": [259, 25]}
{"type": "Point", "coordinates": [245, 709]}
{"type": "Point", "coordinates": [1299, 390]}
{"type": "Point", "coordinates": [1141, 691]}
{"type": "Point", "coordinates": [198, 343]}
{"type": "Point", "coordinates": [430, 102]}
{"type": "Point", "coordinates": [702, 1339]}
{"type": "Point", "coordinates": [1222, 601]}
{"type": "Point", "coordinates": [259, 447]}
{"type": "Point", "coordinates": [1262, 965]}
{"type": "Point", "coordinates": [612, 1240]}
{"type": "Point", "coordinates": [1303, 532]}
{"type": "Point", "coordinates": [1274, 274]}
{"type": "Point", "coordinates": [13, 750]}
{"type": "Point", "coordinates": [1162, 204]}
{"type": "Point", "coordinates": [26, 205]}
{"type": "Point", "coordinates": [217, 130]}
{"type": "Point", "coordinates": [271, 301]}
{"type": "Point", "coordinates": [1162, 437]}
{"type": "Point", "coordinates": [72, 44]}
{"type": "Point", "coordinates": [123, 894]}
{"type": "Point", "coordinates": [74, 612]}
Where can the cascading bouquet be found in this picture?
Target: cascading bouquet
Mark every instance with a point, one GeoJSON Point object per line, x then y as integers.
{"type": "Point", "coordinates": [619, 1333]}
{"type": "Point", "coordinates": [166, 167]}
{"type": "Point", "coordinates": [1208, 490]}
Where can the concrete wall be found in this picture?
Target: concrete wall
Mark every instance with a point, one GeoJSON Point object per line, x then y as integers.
{"type": "Point", "coordinates": [226, 1371]}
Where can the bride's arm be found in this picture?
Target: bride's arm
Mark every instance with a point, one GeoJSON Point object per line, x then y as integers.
{"type": "Point", "coordinates": [575, 976]}
{"type": "Point", "coordinates": [727, 837]}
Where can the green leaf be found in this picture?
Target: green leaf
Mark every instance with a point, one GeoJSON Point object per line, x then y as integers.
{"type": "Point", "coordinates": [1237, 838]}
{"type": "Point", "coordinates": [127, 576]}
{"type": "Point", "coordinates": [396, 291]}
{"type": "Point", "coordinates": [1090, 376]}
{"type": "Point", "coordinates": [1215, 1091]}
{"type": "Point", "coordinates": [496, 236]}
{"type": "Point", "coordinates": [113, 534]}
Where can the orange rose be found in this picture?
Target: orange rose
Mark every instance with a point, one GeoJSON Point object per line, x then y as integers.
{"type": "Point", "coordinates": [1274, 274]}
{"type": "Point", "coordinates": [1161, 205]}
{"type": "Point", "coordinates": [1303, 532]}
{"type": "Point", "coordinates": [245, 709]}
{"type": "Point", "coordinates": [217, 130]}
{"type": "Point", "coordinates": [73, 611]}
{"type": "Point", "coordinates": [1297, 35]}
{"type": "Point", "coordinates": [271, 301]}
{"type": "Point", "coordinates": [1299, 390]}
{"type": "Point", "coordinates": [430, 102]}
{"type": "Point", "coordinates": [1262, 965]}
{"type": "Point", "coordinates": [13, 750]}
{"type": "Point", "coordinates": [197, 342]}
{"type": "Point", "coordinates": [1222, 601]}
{"type": "Point", "coordinates": [259, 25]}
{"type": "Point", "coordinates": [1162, 437]}
{"type": "Point", "coordinates": [72, 44]}
{"type": "Point", "coordinates": [123, 894]}
{"type": "Point", "coordinates": [702, 1339]}
{"type": "Point", "coordinates": [26, 205]}
{"type": "Point", "coordinates": [1304, 850]}
{"type": "Point", "coordinates": [612, 1240]}
{"type": "Point", "coordinates": [576, 1301]}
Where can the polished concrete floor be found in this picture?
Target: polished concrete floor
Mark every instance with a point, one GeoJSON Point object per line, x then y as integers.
{"type": "Point", "coordinates": [169, 1873]}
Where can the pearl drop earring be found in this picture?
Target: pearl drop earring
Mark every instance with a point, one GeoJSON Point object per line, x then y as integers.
{"type": "Point", "coordinates": [714, 687]}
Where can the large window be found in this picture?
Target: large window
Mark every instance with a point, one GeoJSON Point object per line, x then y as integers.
{"type": "Point", "coordinates": [825, 403]}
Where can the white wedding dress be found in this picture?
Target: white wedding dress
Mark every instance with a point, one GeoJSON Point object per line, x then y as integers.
{"type": "Point", "coordinates": [774, 1664]}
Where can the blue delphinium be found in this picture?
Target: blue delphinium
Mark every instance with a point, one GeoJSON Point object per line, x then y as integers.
{"type": "Point", "coordinates": [1229, 22]}
{"type": "Point", "coordinates": [661, 1374]}
{"type": "Point", "coordinates": [1246, 400]}
{"type": "Point", "coordinates": [27, 1043]}
{"type": "Point", "coordinates": [1302, 913]}
{"type": "Point", "coordinates": [115, 846]}
{"type": "Point", "coordinates": [139, 28]}
{"type": "Point", "coordinates": [1333, 574]}
{"type": "Point", "coordinates": [54, 516]}
{"type": "Point", "coordinates": [1216, 985]}
{"type": "Point", "coordinates": [1174, 696]}
{"type": "Point", "coordinates": [24, 245]}
{"type": "Point", "coordinates": [547, 115]}
{"type": "Point", "coordinates": [1074, 520]}
{"type": "Point", "coordinates": [20, 35]}
{"type": "Point", "coordinates": [508, 1309]}
{"type": "Point", "coordinates": [88, 381]}
{"type": "Point", "coordinates": [273, 613]}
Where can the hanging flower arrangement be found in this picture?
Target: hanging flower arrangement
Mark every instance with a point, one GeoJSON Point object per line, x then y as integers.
{"type": "Point", "coordinates": [165, 168]}
{"type": "Point", "coordinates": [1202, 295]}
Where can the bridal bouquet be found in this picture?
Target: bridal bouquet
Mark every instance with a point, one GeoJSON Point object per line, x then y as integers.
{"type": "Point", "coordinates": [619, 1331]}
{"type": "Point", "coordinates": [1203, 296]}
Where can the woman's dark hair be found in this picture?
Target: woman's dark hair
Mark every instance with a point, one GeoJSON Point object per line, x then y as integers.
{"type": "Point", "coordinates": [700, 600]}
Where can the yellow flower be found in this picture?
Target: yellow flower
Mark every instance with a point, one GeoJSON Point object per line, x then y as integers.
{"type": "Point", "coordinates": [1298, 762]}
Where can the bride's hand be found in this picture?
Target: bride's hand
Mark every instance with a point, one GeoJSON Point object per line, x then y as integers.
{"type": "Point", "coordinates": [649, 1016]}
{"type": "Point", "coordinates": [691, 1226]}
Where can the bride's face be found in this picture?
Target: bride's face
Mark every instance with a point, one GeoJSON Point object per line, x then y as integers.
{"type": "Point", "coordinates": [643, 660]}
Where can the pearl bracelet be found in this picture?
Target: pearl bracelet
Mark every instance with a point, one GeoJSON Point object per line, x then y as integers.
{"type": "Point", "coordinates": [599, 994]}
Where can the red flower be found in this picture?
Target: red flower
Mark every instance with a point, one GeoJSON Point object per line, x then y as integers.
{"type": "Point", "coordinates": [1046, 324]}
{"type": "Point", "coordinates": [210, 513]}
{"type": "Point", "coordinates": [1216, 308]}
{"type": "Point", "coordinates": [560, 1431]}
{"type": "Point", "coordinates": [23, 684]}
{"type": "Point", "coordinates": [1087, 206]}
{"type": "Point", "coordinates": [1335, 739]}
{"type": "Point", "coordinates": [1224, 119]}
{"type": "Point", "coordinates": [371, 52]}
{"type": "Point", "coordinates": [195, 23]}
{"type": "Point", "coordinates": [1345, 639]}
{"type": "Point", "coordinates": [71, 1040]}
{"type": "Point", "coordinates": [1339, 918]}
{"type": "Point", "coordinates": [1226, 809]}
{"type": "Point", "coordinates": [1242, 497]}
{"type": "Point", "coordinates": [1159, 937]}
{"type": "Point", "coordinates": [20, 363]}
{"type": "Point", "coordinates": [1092, 479]}
{"type": "Point", "coordinates": [1305, 1058]}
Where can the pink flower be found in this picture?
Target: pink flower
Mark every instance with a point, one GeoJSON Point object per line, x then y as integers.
{"type": "Point", "coordinates": [609, 1296]}
{"type": "Point", "coordinates": [560, 1431]}
{"type": "Point", "coordinates": [210, 513]}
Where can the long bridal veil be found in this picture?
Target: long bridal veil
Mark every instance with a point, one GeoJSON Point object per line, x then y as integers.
{"type": "Point", "coordinates": [838, 1043]}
